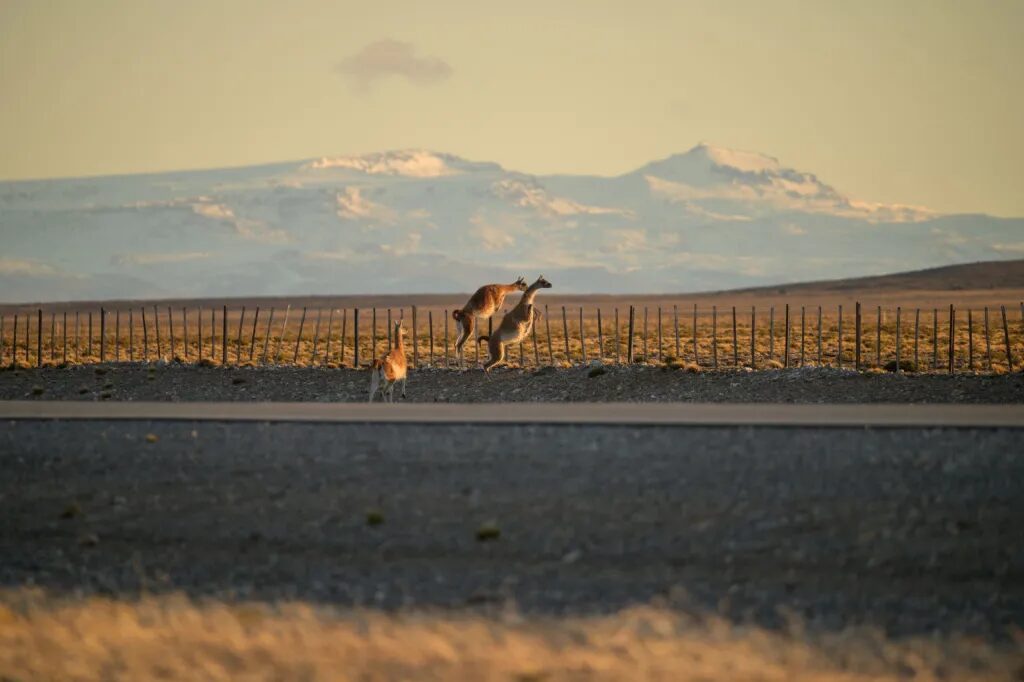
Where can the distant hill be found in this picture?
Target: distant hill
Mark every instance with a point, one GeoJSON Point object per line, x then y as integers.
{"type": "Point", "coordinates": [969, 276]}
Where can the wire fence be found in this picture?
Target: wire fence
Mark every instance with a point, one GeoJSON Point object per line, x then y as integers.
{"type": "Point", "coordinates": [985, 339]}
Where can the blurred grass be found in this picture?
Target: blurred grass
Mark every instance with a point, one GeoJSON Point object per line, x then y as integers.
{"type": "Point", "coordinates": [172, 638]}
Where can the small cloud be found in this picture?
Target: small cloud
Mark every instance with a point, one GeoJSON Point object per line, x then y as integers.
{"type": "Point", "coordinates": [123, 259]}
{"type": "Point", "coordinates": [1016, 247]}
{"type": "Point", "coordinates": [387, 57]}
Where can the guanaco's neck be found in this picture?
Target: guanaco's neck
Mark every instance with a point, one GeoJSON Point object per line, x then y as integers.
{"type": "Point", "coordinates": [399, 340]}
{"type": "Point", "coordinates": [530, 293]}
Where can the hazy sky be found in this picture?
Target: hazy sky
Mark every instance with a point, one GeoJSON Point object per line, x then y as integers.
{"type": "Point", "coordinates": [912, 101]}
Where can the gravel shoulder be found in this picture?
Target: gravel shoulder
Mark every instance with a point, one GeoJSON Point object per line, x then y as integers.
{"type": "Point", "coordinates": [609, 383]}
{"type": "Point", "coordinates": [912, 531]}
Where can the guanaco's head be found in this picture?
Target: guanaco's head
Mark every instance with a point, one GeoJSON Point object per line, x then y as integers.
{"type": "Point", "coordinates": [541, 283]}
{"type": "Point", "coordinates": [399, 329]}
{"type": "Point", "coordinates": [520, 284]}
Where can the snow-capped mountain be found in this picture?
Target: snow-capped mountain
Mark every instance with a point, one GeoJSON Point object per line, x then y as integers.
{"type": "Point", "coordinates": [420, 221]}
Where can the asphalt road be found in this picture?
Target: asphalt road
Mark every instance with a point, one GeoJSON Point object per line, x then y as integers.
{"type": "Point", "coordinates": [669, 414]}
{"type": "Point", "coordinates": [912, 529]}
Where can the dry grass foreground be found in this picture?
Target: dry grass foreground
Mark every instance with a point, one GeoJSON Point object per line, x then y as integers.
{"type": "Point", "coordinates": [172, 638]}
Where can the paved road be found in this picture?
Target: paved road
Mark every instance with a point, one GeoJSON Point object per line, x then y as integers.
{"type": "Point", "coordinates": [674, 414]}
{"type": "Point", "coordinates": [910, 529]}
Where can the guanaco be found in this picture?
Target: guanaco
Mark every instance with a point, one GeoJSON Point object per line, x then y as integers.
{"type": "Point", "coordinates": [390, 369]}
{"type": "Point", "coordinates": [484, 303]}
{"type": "Point", "coordinates": [515, 326]}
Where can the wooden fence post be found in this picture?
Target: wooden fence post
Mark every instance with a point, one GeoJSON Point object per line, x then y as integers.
{"type": "Point", "coordinates": [280, 339]}
{"type": "Point", "coordinates": [735, 341]}
{"type": "Point", "coordinates": [64, 338]}
{"type": "Point", "coordinates": [327, 345]}
{"type": "Point", "coordinates": [600, 337]}
{"type": "Point", "coordinates": [696, 353]}
{"type": "Point", "coordinates": [988, 342]}
{"type": "Point", "coordinates": [447, 362]}
{"type": "Point", "coordinates": [184, 333]}
{"type": "Point", "coordinates": [785, 362]}
{"type": "Point", "coordinates": [28, 344]}
{"type": "Point", "coordinates": [170, 331]}
{"type": "Point", "coordinates": [103, 335]}
{"type": "Point", "coordinates": [714, 337]}
{"type": "Point", "coordinates": [644, 337]}
{"type": "Point", "coordinates": [803, 333]}
{"type": "Point", "coordinates": [131, 335]}
{"type": "Point", "coordinates": [565, 336]}
{"type": "Point", "coordinates": [53, 336]}
{"type": "Point", "coordinates": [857, 336]}
{"type": "Point", "coordinates": [88, 343]}
{"type": "Point", "coordinates": [917, 327]}
{"type": "Point", "coordinates": [298, 339]}
{"type": "Point", "coordinates": [391, 342]}
{"type": "Point", "coordinates": [536, 349]}
{"type": "Point", "coordinates": [355, 340]}
{"type": "Point", "coordinates": [373, 334]}
{"type": "Point", "coordinates": [618, 339]}
{"type": "Point", "coordinates": [675, 321]}
{"type": "Point", "coordinates": [878, 339]}
{"type": "Point", "coordinates": [252, 339]}
{"type": "Point", "coordinates": [583, 338]}
{"type": "Point", "coordinates": [476, 326]}
{"type": "Point", "coordinates": [39, 338]}
{"type": "Point", "coordinates": [629, 339]}
{"type": "Point", "coordinates": [1006, 339]}
{"type": "Point", "coordinates": [266, 338]}
{"type": "Point", "coordinates": [839, 349]}
{"type": "Point", "coordinates": [213, 333]}
{"type": "Point", "coordinates": [238, 338]}
{"type": "Point", "coordinates": [199, 323]}
{"type": "Point", "coordinates": [415, 340]}
{"type": "Point", "coordinates": [771, 333]}
{"type": "Point", "coordinates": [547, 325]}
{"type": "Point", "coordinates": [78, 345]}
{"type": "Point", "coordinates": [898, 370]}
{"type": "Point", "coordinates": [14, 342]}
{"type": "Point", "coordinates": [753, 337]}
{"type": "Point", "coordinates": [145, 336]}
{"type": "Point", "coordinates": [819, 337]}
{"type": "Point", "coordinates": [2, 339]}
{"type": "Point", "coordinates": [344, 331]}
{"type": "Point", "coordinates": [970, 340]}
{"type": "Point", "coordinates": [223, 336]}
{"type": "Point", "coordinates": [117, 335]}
{"type": "Point", "coordinates": [316, 335]}
{"type": "Point", "coordinates": [430, 335]}
{"type": "Point", "coordinates": [935, 338]}
{"type": "Point", "coordinates": [659, 335]}
{"type": "Point", "coordinates": [952, 339]}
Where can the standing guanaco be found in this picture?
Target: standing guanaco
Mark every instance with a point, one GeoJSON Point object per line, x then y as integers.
{"type": "Point", "coordinates": [390, 369]}
{"type": "Point", "coordinates": [515, 326]}
{"type": "Point", "coordinates": [484, 303]}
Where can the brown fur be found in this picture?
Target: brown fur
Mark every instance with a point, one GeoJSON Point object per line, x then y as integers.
{"type": "Point", "coordinates": [515, 326]}
{"type": "Point", "coordinates": [390, 368]}
{"type": "Point", "coordinates": [485, 302]}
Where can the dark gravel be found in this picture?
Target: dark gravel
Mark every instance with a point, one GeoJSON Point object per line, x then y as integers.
{"type": "Point", "coordinates": [616, 383]}
{"type": "Point", "coordinates": [910, 530]}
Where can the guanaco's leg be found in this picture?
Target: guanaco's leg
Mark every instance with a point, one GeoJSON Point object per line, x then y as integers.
{"type": "Point", "coordinates": [467, 331]}
{"type": "Point", "coordinates": [497, 349]}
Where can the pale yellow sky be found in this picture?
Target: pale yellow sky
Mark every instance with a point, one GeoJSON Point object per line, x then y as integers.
{"type": "Point", "coordinates": [916, 101]}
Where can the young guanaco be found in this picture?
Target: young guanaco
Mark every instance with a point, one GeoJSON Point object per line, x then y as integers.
{"type": "Point", "coordinates": [515, 326]}
{"type": "Point", "coordinates": [390, 369]}
{"type": "Point", "coordinates": [484, 303]}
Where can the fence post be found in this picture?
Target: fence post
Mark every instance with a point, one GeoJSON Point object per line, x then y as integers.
{"type": "Point", "coordinates": [170, 330]}
{"type": "Point", "coordinates": [970, 340]}
{"type": "Point", "coordinates": [131, 335]}
{"type": "Point", "coordinates": [898, 370]}
{"type": "Point", "coordinates": [266, 338]}
{"type": "Point", "coordinates": [199, 317]}
{"type": "Point", "coordinates": [714, 337]}
{"type": "Point", "coordinates": [327, 345]}
{"type": "Point", "coordinates": [857, 336]}
{"type": "Point", "coordinates": [88, 343]}
{"type": "Point", "coordinates": [785, 362]}
{"type": "Point", "coordinates": [117, 335]}
{"type": "Point", "coordinates": [547, 326]}
{"type": "Point", "coordinates": [14, 342]}
{"type": "Point", "coordinates": [659, 334]}
{"type": "Point", "coordinates": [988, 342]}
{"type": "Point", "coordinates": [771, 333]}
{"type": "Point", "coordinates": [446, 361]}
{"type": "Point", "coordinates": [583, 338]}
{"type": "Point", "coordinates": [735, 341]}
{"type": "Point", "coordinates": [223, 336]}
{"type": "Point", "coordinates": [28, 344]}
{"type": "Point", "coordinates": [952, 338]}
{"type": "Point", "coordinates": [629, 340]}
{"type": "Point", "coordinates": [416, 340]}
{"type": "Point", "coordinates": [298, 339]}
{"type": "Point", "coordinates": [145, 336]}
{"type": "Point", "coordinates": [565, 335]}
{"type": "Point", "coordinates": [917, 327]}
{"type": "Point", "coordinates": [675, 321]}
{"type": "Point", "coordinates": [373, 334]}
{"type": "Point", "coordinates": [78, 331]}
{"type": "Point", "coordinates": [696, 355]}
{"type": "Point", "coordinates": [618, 339]}
{"type": "Point", "coordinates": [935, 338]}
{"type": "Point", "coordinates": [803, 333]}
{"type": "Point", "coordinates": [839, 349]}
{"type": "Point", "coordinates": [536, 349]}
{"type": "Point", "coordinates": [1006, 338]}
{"type": "Point", "coordinates": [344, 331]}
{"type": "Point", "coordinates": [316, 334]}
{"type": "Point", "coordinates": [39, 338]}
{"type": "Point", "coordinates": [430, 334]}
{"type": "Point", "coordinates": [2, 338]}
{"type": "Point", "coordinates": [53, 336]}
{"type": "Point", "coordinates": [753, 337]}
{"type": "Point", "coordinates": [819, 337]}
{"type": "Point", "coordinates": [63, 333]}
{"type": "Point", "coordinates": [252, 340]}
{"type": "Point", "coordinates": [878, 339]}
{"type": "Point", "coordinates": [280, 339]}
{"type": "Point", "coordinates": [355, 340]}
{"type": "Point", "coordinates": [103, 335]}
{"type": "Point", "coordinates": [238, 338]}
{"type": "Point", "coordinates": [600, 337]}
{"type": "Point", "coordinates": [184, 333]}
{"type": "Point", "coordinates": [391, 342]}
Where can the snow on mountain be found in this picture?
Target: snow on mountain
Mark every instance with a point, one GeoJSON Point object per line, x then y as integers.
{"type": "Point", "coordinates": [421, 221]}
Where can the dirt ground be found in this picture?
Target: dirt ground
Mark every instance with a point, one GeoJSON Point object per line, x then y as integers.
{"type": "Point", "coordinates": [607, 383]}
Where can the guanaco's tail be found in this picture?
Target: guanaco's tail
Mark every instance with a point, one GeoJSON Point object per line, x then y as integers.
{"type": "Point", "coordinates": [457, 315]}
